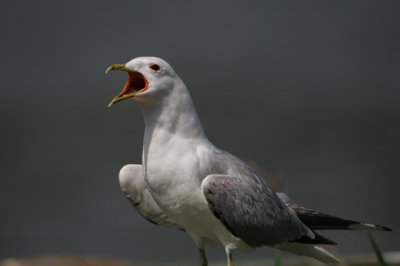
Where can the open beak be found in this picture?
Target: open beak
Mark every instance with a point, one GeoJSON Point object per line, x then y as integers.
{"type": "Point", "coordinates": [136, 83]}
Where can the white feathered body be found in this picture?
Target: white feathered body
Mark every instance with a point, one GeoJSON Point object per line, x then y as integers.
{"type": "Point", "coordinates": [177, 156]}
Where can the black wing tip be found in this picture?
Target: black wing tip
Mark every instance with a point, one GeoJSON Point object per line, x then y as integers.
{"type": "Point", "coordinates": [384, 228]}
{"type": "Point", "coordinates": [367, 226]}
{"type": "Point", "coordinates": [321, 221]}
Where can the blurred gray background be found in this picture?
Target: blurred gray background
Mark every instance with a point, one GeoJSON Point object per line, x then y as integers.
{"type": "Point", "coordinates": [309, 90]}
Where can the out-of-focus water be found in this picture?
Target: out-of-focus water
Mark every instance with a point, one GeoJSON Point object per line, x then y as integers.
{"type": "Point", "coordinates": [308, 92]}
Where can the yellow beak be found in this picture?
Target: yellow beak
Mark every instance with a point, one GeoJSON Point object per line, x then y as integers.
{"type": "Point", "coordinates": [120, 67]}
{"type": "Point", "coordinates": [136, 83]}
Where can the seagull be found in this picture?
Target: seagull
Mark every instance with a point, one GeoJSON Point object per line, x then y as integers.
{"type": "Point", "coordinates": [188, 184]}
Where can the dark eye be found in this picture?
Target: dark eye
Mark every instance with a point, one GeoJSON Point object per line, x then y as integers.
{"type": "Point", "coordinates": [155, 67]}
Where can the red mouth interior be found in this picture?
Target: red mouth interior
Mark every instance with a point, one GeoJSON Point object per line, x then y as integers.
{"type": "Point", "coordinates": [136, 82]}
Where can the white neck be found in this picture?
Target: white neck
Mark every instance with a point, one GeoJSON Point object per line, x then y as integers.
{"type": "Point", "coordinates": [172, 116]}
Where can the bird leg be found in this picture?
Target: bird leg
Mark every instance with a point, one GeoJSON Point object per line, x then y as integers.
{"type": "Point", "coordinates": [229, 256]}
{"type": "Point", "coordinates": [203, 257]}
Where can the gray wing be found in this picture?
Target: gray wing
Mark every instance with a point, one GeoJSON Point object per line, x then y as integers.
{"type": "Point", "coordinates": [136, 191]}
{"type": "Point", "coordinates": [252, 211]}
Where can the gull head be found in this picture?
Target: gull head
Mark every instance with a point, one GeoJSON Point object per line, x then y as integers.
{"type": "Point", "coordinates": [148, 78]}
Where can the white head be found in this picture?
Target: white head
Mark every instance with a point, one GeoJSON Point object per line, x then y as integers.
{"type": "Point", "coordinates": [148, 77]}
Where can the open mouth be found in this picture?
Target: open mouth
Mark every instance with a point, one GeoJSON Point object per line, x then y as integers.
{"type": "Point", "coordinates": [136, 83]}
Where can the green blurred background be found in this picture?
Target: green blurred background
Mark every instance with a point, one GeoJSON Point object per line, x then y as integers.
{"type": "Point", "coordinates": [309, 90]}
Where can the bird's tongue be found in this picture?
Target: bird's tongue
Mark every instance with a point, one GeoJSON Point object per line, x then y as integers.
{"type": "Point", "coordinates": [136, 82]}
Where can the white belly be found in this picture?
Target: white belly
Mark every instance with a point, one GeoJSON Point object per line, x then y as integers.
{"type": "Point", "coordinates": [174, 172]}
{"type": "Point", "coordinates": [181, 198]}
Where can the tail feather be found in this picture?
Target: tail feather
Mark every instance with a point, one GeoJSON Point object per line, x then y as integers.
{"type": "Point", "coordinates": [317, 240]}
{"type": "Point", "coordinates": [313, 251]}
{"type": "Point", "coordinates": [314, 220]}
